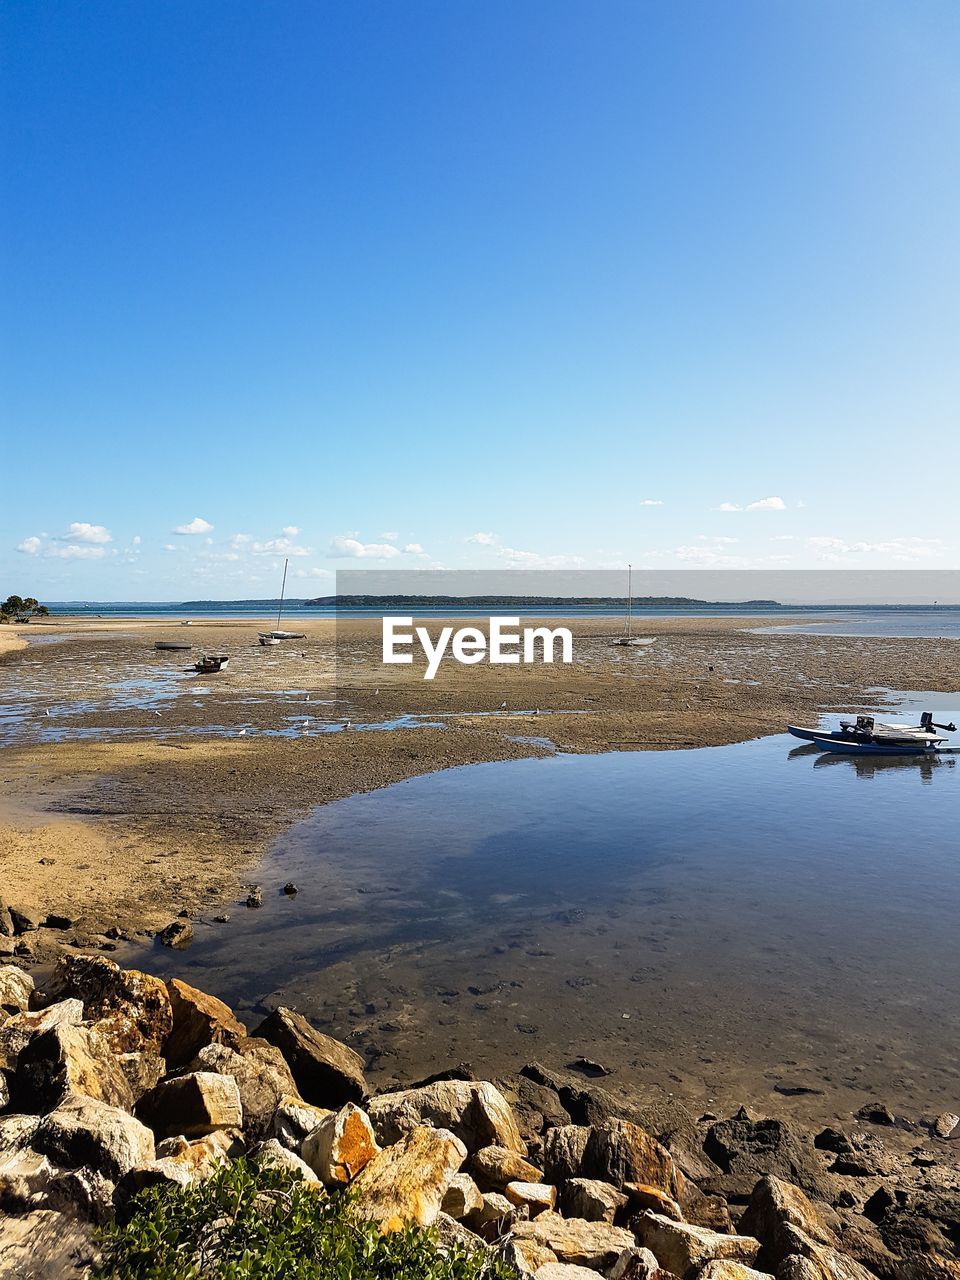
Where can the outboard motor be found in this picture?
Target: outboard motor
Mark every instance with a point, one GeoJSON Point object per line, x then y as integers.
{"type": "Point", "coordinates": [928, 724]}
{"type": "Point", "coordinates": [865, 724]}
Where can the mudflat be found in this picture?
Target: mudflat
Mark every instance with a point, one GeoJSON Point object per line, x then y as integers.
{"type": "Point", "coordinates": [134, 790]}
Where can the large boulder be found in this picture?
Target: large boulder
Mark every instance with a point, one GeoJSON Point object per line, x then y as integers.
{"type": "Point", "coordinates": [532, 1197]}
{"type": "Point", "coordinates": [683, 1248]}
{"type": "Point", "coordinates": [18, 1030]}
{"type": "Point", "coordinates": [181, 1163]}
{"type": "Point", "coordinates": [129, 1008]}
{"type": "Point", "coordinates": [262, 1075]}
{"type": "Point", "coordinates": [67, 1060]}
{"type": "Point", "coordinates": [293, 1120]}
{"type": "Point", "coordinates": [587, 1244]}
{"type": "Point", "coordinates": [192, 1106]}
{"type": "Point", "coordinates": [475, 1111]}
{"type": "Point", "coordinates": [820, 1262]}
{"type": "Point", "coordinates": [777, 1212]}
{"type": "Point", "coordinates": [83, 1132]}
{"type": "Point", "coordinates": [15, 989]}
{"type": "Point", "coordinates": [493, 1167]}
{"type": "Point", "coordinates": [342, 1144]}
{"type": "Point", "coordinates": [563, 1151]}
{"type": "Point", "coordinates": [463, 1197]}
{"type": "Point", "coordinates": [591, 1199]}
{"type": "Point", "coordinates": [721, 1270]}
{"type": "Point", "coordinates": [44, 1245]}
{"type": "Point", "coordinates": [16, 1132]}
{"type": "Point", "coordinates": [406, 1182]}
{"type": "Point", "coordinates": [328, 1073]}
{"type": "Point", "coordinates": [25, 1178]}
{"type": "Point", "coordinates": [620, 1151]}
{"type": "Point", "coordinates": [198, 1019]}
{"type": "Point", "coordinates": [747, 1147]}
{"type": "Point", "coordinates": [273, 1155]}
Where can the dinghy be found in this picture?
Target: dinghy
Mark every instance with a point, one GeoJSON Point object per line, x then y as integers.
{"type": "Point", "coordinates": [268, 638]}
{"type": "Point", "coordinates": [628, 639]}
{"type": "Point", "coordinates": [166, 646]}
{"type": "Point", "coordinates": [209, 666]}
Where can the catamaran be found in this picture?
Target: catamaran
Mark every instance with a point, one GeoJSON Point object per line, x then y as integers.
{"type": "Point", "coordinates": [274, 637]}
{"type": "Point", "coordinates": [867, 736]}
{"type": "Point", "coordinates": [628, 639]}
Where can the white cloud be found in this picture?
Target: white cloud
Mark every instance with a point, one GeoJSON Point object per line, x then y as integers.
{"type": "Point", "coordinates": [239, 539]}
{"type": "Point", "coordinates": [482, 539]}
{"type": "Point", "coordinates": [651, 502]}
{"type": "Point", "coordinates": [80, 531]}
{"type": "Point", "coordinates": [717, 541]}
{"type": "Point", "coordinates": [351, 548]}
{"type": "Point", "coordinates": [135, 540]}
{"type": "Point", "coordinates": [290, 531]}
{"type": "Point", "coordinates": [168, 546]}
{"type": "Point", "coordinates": [196, 525]}
{"type": "Point", "coordinates": [905, 549]}
{"type": "Point", "coordinates": [278, 547]}
{"type": "Point", "coordinates": [414, 549]}
{"type": "Point", "coordinates": [761, 504]}
{"type": "Point", "coordinates": [30, 546]}
{"type": "Point", "coordinates": [390, 537]}
{"type": "Point", "coordinates": [535, 560]}
{"type": "Point", "coordinates": [313, 573]}
{"type": "Point", "coordinates": [75, 551]}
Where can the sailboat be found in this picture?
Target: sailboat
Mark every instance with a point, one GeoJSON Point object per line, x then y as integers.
{"type": "Point", "coordinates": [628, 639]}
{"type": "Point", "coordinates": [274, 637]}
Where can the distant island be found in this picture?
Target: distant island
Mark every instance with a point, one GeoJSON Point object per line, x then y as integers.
{"type": "Point", "coordinates": [527, 602]}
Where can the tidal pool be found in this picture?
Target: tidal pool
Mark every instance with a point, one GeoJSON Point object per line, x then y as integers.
{"type": "Point", "coordinates": [726, 923]}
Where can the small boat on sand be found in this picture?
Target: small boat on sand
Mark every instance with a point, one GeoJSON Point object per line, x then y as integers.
{"type": "Point", "coordinates": [628, 640]}
{"type": "Point", "coordinates": [168, 646]}
{"type": "Point", "coordinates": [210, 665]}
{"type": "Point", "coordinates": [269, 638]}
{"type": "Point", "coordinates": [867, 736]}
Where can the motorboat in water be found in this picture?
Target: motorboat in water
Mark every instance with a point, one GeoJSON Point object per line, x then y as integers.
{"type": "Point", "coordinates": [867, 736]}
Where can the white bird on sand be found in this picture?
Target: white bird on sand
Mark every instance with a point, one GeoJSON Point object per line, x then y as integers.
{"type": "Point", "coordinates": [503, 706]}
{"type": "Point", "coordinates": [48, 712]}
{"type": "Point", "coordinates": [241, 732]}
{"type": "Point", "coordinates": [156, 713]}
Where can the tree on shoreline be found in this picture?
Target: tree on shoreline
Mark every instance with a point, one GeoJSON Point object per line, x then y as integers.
{"type": "Point", "coordinates": [21, 609]}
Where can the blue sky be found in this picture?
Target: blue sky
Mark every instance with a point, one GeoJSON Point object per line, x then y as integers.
{"type": "Point", "coordinates": [475, 284]}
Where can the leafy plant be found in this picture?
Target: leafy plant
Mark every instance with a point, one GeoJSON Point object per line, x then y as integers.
{"type": "Point", "coordinates": [255, 1221]}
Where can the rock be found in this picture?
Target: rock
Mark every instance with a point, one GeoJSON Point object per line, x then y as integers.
{"type": "Point", "coordinates": [44, 1245]}
{"type": "Point", "coordinates": [876, 1113]}
{"type": "Point", "coordinates": [17, 1032]}
{"type": "Point", "coordinates": [198, 1020]}
{"type": "Point", "coordinates": [475, 1111]}
{"type": "Point", "coordinates": [752, 1148]}
{"type": "Point", "coordinates": [54, 920]}
{"type": "Point", "coordinates": [564, 1271]}
{"type": "Point", "coordinates": [535, 1197]}
{"type": "Point", "coordinates": [835, 1140]}
{"type": "Point", "coordinates": [636, 1264]}
{"type": "Point", "coordinates": [407, 1182]}
{"type": "Point", "coordinates": [340, 1146]}
{"type": "Point", "coordinates": [143, 1070]}
{"type": "Point", "coordinates": [525, 1256]}
{"type": "Point", "coordinates": [450, 1235]}
{"type": "Point", "coordinates": [327, 1072]}
{"type": "Point", "coordinates": [731, 1271]}
{"type": "Point", "coordinates": [923, 1219]}
{"type": "Point", "coordinates": [563, 1150]}
{"type": "Point", "coordinates": [493, 1167]}
{"type": "Point", "coordinates": [193, 1105]}
{"type": "Point", "coordinates": [703, 1210]}
{"type": "Point", "coordinates": [620, 1152]}
{"type": "Point", "coordinates": [69, 1059]}
{"type": "Point", "coordinates": [15, 989]}
{"type": "Point", "coordinates": [275, 1156]}
{"type": "Point", "coordinates": [682, 1248]}
{"type": "Point", "coordinates": [588, 1244]}
{"type": "Point", "coordinates": [538, 1107]}
{"type": "Point", "coordinates": [129, 1008]}
{"type": "Point", "coordinates": [463, 1197]}
{"type": "Point", "coordinates": [177, 934]}
{"type": "Point", "coordinates": [6, 922]}
{"type": "Point", "coordinates": [255, 897]}
{"type": "Point", "coordinates": [591, 1199]}
{"type": "Point", "coordinates": [777, 1210]}
{"type": "Point", "coordinates": [25, 1177]}
{"type": "Point", "coordinates": [25, 919]}
{"type": "Point", "coordinates": [820, 1262]}
{"type": "Point", "coordinates": [495, 1215]}
{"type": "Point", "coordinates": [16, 1132]}
{"type": "Point", "coordinates": [83, 1132]}
{"type": "Point", "coordinates": [81, 1193]}
{"type": "Point", "coordinates": [652, 1198]}
{"type": "Point", "coordinates": [263, 1079]}
{"type": "Point", "coordinates": [290, 889]}
{"type": "Point", "coordinates": [293, 1120]}
{"type": "Point", "coordinates": [943, 1126]}
{"type": "Point", "coordinates": [180, 1163]}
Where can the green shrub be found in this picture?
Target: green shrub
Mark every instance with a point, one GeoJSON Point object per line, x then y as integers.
{"type": "Point", "coordinates": [249, 1221]}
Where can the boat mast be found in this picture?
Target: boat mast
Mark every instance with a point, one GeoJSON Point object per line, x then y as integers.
{"type": "Point", "coordinates": [282, 590]}
{"type": "Point", "coordinates": [628, 621]}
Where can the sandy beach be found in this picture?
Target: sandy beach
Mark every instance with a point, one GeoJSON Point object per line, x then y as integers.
{"type": "Point", "coordinates": [133, 791]}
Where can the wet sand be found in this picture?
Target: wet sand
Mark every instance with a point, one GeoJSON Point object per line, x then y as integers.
{"type": "Point", "coordinates": [133, 791]}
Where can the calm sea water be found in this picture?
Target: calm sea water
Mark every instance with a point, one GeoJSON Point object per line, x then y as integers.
{"type": "Point", "coordinates": [890, 620]}
{"type": "Point", "coordinates": [723, 922]}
